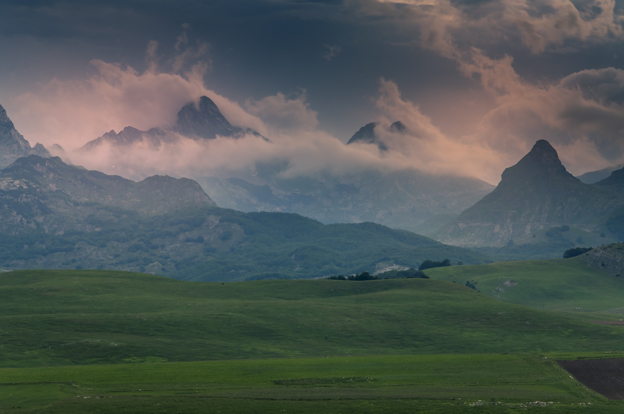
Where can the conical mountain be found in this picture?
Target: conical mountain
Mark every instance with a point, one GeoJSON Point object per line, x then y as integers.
{"type": "Point", "coordinates": [535, 193]}
{"type": "Point", "coordinates": [12, 143]}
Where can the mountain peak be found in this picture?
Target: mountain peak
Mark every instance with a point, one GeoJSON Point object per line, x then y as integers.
{"type": "Point", "coordinates": [398, 127]}
{"type": "Point", "coordinates": [12, 143]}
{"type": "Point", "coordinates": [204, 120]}
{"type": "Point", "coordinates": [542, 161]}
{"type": "Point", "coordinates": [366, 135]}
{"type": "Point", "coordinates": [534, 194]}
{"type": "Point", "coordinates": [5, 122]}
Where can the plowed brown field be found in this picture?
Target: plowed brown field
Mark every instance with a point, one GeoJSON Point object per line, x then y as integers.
{"type": "Point", "coordinates": [605, 376]}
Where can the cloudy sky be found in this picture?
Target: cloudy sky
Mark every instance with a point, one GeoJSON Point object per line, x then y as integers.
{"type": "Point", "coordinates": [476, 82]}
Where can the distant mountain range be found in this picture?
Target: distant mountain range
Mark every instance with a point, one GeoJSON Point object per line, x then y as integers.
{"type": "Point", "coordinates": [406, 199]}
{"type": "Point", "coordinates": [65, 216]}
{"type": "Point", "coordinates": [536, 194]}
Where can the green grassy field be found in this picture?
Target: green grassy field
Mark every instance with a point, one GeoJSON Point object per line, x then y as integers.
{"type": "Point", "coordinates": [100, 317]}
{"type": "Point", "coordinates": [115, 342]}
{"type": "Point", "coordinates": [439, 383]}
{"type": "Point", "coordinates": [560, 285]}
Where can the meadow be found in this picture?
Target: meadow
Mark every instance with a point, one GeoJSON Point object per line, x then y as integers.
{"type": "Point", "coordinates": [102, 341]}
{"type": "Point", "coordinates": [559, 284]}
{"type": "Point", "coordinates": [406, 383]}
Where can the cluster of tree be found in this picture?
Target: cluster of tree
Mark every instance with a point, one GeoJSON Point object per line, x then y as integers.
{"type": "Point", "coordinates": [430, 264]}
{"type": "Point", "coordinates": [361, 276]}
{"type": "Point", "coordinates": [472, 285]}
{"type": "Point", "coordinates": [576, 251]}
{"type": "Point", "coordinates": [410, 273]}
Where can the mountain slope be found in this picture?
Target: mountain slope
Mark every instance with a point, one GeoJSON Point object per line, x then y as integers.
{"type": "Point", "coordinates": [51, 178]}
{"type": "Point", "coordinates": [12, 143]}
{"type": "Point", "coordinates": [595, 176]}
{"type": "Point", "coordinates": [402, 199]}
{"type": "Point", "coordinates": [614, 182]}
{"type": "Point", "coordinates": [534, 194]}
{"type": "Point", "coordinates": [61, 216]}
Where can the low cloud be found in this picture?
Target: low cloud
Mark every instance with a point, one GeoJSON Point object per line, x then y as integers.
{"type": "Point", "coordinates": [73, 112]}
{"type": "Point", "coordinates": [281, 113]}
{"type": "Point", "coordinates": [582, 115]}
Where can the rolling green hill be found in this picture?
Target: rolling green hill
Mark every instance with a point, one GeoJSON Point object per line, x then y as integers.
{"type": "Point", "coordinates": [100, 317]}
{"type": "Point", "coordinates": [558, 284]}
{"type": "Point", "coordinates": [213, 244]}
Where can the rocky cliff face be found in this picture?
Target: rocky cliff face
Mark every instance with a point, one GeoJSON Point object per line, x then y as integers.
{"type": "Point", "coordinates": [535, 193]}
{"type": "Point", "coordinates": [12, 143]}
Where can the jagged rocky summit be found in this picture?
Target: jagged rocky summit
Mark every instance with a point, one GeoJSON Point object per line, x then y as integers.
{"type": "Point", "coordinates": [536, 193]}
{"type": "Point", "coordinates": [367, 134]}
{"type": "Point", "coordinates": [201, 120]}
{"type": "Point", "coordinates": [12, 143]}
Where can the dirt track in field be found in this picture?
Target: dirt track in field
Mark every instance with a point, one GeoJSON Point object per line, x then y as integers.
{"type": "Point", "coordinates": [605, 376]}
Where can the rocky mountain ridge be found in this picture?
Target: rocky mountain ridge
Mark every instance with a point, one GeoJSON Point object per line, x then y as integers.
{"type": "Point", "coordinates": [196, 120]}
{"type": "Point", "coordinates": [12, 143]}
{"type": "Point", "coordinates": [47, 194]}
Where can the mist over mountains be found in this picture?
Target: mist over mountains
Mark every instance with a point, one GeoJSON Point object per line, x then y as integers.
{"type": "Point", "coordinates": [405, 198]}
{"type": "Point", "coordinates": [57, 215]}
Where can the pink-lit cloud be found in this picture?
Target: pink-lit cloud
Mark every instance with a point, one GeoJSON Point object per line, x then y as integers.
{"type": "Point", "coordinates": [444, 25]}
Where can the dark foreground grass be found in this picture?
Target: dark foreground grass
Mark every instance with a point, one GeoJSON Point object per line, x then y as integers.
{"type": "Point", "coordinates": [100, 317]}
{"type": "Point", "coordinates": [560, 285]}
{"type": "Point", "coordinates": [383, 384]}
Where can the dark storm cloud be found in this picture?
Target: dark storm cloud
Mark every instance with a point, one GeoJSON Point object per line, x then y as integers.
{"type": "Point", "coordinates": [605, 85]}
{"type": "Point", "coordinates": [489, 76]}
